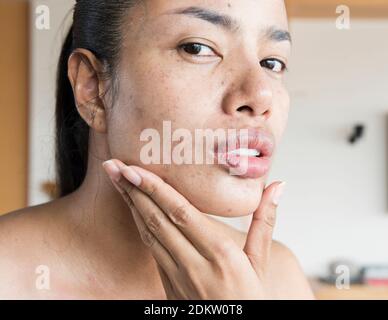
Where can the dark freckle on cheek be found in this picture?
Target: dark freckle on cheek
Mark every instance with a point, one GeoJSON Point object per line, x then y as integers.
{"type": "Point", "coordinates": [138, 112]}
{"type": "Point", "coordinates": [229, 5]}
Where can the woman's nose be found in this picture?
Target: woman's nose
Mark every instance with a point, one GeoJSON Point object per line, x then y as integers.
{"type": "Point", "coordinates": [250, 93]}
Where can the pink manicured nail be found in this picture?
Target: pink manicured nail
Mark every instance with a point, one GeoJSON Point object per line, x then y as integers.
{"type": "Point", "coordinates": [131, 175]}
{"type": "Point", "coordinates": [278, 193]}
{"type": "Point", "coordinates": [112, 170]}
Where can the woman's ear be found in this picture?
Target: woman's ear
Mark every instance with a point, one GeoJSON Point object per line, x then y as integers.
{"type": "Point", "coordinates": [83, 72]}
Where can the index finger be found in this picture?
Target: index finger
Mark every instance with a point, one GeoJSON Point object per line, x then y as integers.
{"type": "Point", "coordinates": [195, 225]}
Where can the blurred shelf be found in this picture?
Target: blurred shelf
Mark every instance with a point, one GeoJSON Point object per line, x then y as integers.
{"type": "Point", "coordinates": [327, 8]}
{"type": "Point", "coordinates": [324, 291]}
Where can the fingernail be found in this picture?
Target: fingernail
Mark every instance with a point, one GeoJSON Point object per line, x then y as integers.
{"type": "Point", "coordinates": [278, 193]}
{"type": "Point", "coordinates": [131, 175]}
{"type": "Point", "coordinates": [112, 170]}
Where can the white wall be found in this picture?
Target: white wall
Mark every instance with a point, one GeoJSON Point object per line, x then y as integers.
{"type": "Point", "coordinates": [335, 203]}
{"type": "Point", "coordinates": [45, 47]}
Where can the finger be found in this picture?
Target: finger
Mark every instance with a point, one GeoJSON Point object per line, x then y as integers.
{"type": "Point", "coordinates": [161, 254]}
{"type": "Point", "coordinates": [259, 238]}
{"type": "Point", "coordinates": [168, 288]}
{"type": "Point", "coordinates": [195, 225]}
{"type": "Point", "coordinates": [180, 248]}
{"type": "Point", "coordinates": [162, 228]}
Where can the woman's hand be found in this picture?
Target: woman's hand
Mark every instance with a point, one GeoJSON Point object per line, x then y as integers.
{"type": "Point", "coordinates": [195, 259]}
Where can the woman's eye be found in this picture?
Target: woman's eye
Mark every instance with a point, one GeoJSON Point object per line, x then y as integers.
{"type": "Point", "coordinates": [274, 65]}
{"type": "Point", "coordinates": [197, 49]}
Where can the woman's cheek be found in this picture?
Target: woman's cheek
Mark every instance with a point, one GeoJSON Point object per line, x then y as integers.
{"type": "Point", "coordinates": [281, 112]}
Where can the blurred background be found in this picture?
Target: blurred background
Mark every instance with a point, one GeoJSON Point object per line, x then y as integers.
{"type": "Point", "coordinates": [334, 214]}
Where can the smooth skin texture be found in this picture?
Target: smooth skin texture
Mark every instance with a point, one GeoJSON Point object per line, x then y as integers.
{"type": "Point", "coordinates": [89, 239]}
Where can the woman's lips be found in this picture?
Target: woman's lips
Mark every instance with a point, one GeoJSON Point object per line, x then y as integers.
{"type": "Point", "coordinates": [248, 167]}
{"type": "Point", "coordinates": [236, 154]}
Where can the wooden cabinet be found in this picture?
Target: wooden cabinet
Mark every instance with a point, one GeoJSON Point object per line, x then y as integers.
{"type": "Point", "coordinates": [13, 104]}
{"type": "Point", "coordinates": [323, 291]}
{"type": "Point", "coordinates": [327, 8]}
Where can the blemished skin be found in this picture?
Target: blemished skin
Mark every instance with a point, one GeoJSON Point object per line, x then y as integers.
{"type": "Point", "coordinates": [160, 82]}
{"type": "Point", "coordinates": [90, 239]}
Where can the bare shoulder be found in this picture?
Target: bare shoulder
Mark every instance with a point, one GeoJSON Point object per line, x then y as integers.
{"type": "Point", "coordinates": [15, 226]}
{"type": "Point", "coordinates": [286, 279]}
{"type": "Point", "coordinates": [21, 247]}
{"type": "Point", "coordinates": [286, 274]}
{"type": "Point", "coordinates": [18, 226]}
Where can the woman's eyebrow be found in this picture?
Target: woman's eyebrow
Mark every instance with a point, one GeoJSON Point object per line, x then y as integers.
{"type": "Point", "coordinates": [213, 17]}
{"type": "Point", "coordinates": [278, 35]}
{"type": "Point", "coordinates": [228, 23]}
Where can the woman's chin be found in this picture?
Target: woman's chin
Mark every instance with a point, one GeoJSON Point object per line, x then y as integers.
{"type": "Point", "coordinates": [214, 191]}
{"type": "Point", "coordinates": [228, 200]}
{"type": "Point", "coordinates": [232, 208]}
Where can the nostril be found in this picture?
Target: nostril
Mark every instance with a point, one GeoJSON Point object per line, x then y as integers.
{"type": "Point", "coordinates": [267, 114]}
{"type": "Point", "coordinates": [244, 108]}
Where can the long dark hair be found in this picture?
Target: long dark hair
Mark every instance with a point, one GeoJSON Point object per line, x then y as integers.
{"type": "Point", "coordinates": [98, 27]}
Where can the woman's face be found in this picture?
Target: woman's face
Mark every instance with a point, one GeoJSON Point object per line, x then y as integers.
{"type": "Point", "coordinates": [231, 78]}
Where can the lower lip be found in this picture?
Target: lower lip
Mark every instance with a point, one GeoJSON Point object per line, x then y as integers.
{"type": "Point", "coordinates": [244, 166]}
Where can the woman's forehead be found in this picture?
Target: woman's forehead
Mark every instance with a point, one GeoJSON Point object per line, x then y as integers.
{"type": "Point", "coordinates": [230, 15]}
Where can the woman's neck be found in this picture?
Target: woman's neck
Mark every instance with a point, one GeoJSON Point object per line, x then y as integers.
{"type": "Point", "coordinates": [105, 237]}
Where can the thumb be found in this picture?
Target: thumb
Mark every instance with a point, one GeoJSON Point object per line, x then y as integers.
{"type": "Point", "coordinates": [259, 238]}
